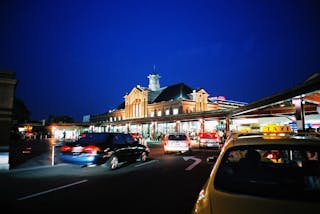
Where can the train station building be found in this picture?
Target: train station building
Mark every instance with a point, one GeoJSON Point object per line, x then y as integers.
{"type": "Point", "coordinates": [154, 109]}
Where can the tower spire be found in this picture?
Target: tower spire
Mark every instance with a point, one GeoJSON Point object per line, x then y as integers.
{"type": "Point", "coordinates": [154, 80]}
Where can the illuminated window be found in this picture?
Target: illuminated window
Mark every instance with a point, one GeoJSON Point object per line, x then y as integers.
{"type": "Point", "coordinates": [175, 111]}
{"type": "Point", "coordinates": [110, 119]}
{"type": "Point", "coordinates": [167, 112]}
{"type": "Point", "coordinates": [115, 118]}
{"type": "Point", "coordinates": [136, 111]}
{"type": "Point", "coordinates": [159, 113]}
{"type": "Point", "coordinates": [139, 110]}
{"type": "Point", "coordinates": [152, 114]}
{"type": "Point", "coordinates": [119, 118]}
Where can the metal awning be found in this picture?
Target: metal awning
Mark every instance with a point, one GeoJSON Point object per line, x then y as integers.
{"type": "Point", "coordinates": [281, 103]}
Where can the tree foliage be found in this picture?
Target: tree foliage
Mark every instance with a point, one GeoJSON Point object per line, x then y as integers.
{"type": "Point", "coordinates": [20, 112]}
{"type": "Point", "coordinates": [60, 119]}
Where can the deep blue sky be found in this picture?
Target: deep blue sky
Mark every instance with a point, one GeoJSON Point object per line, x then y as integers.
{"type": "Point", "coordinates": [81, 57]}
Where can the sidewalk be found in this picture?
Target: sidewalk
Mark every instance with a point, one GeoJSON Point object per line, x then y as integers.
{"type": "Point", "coordinates": [40, 160]}
{"type": "Point", "coordinates": [148, 141]}
{"type": "Point", "coordinates": [45, 159]}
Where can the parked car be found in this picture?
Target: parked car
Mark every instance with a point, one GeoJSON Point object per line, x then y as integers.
{"type": "Point", "coordinates": [176, 142]}
{"type": "Point", "coordinates": [209, 140]}
{"type": "Point", "coordinates": [269, 173]}
{"type": "Point", "coordinates": [108, 149]}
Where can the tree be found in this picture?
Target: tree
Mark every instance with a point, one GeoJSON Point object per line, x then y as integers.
{"type": "Point", "coordinates": [20, 112]}
{"type": "Point", "coordinates": [60, 119]}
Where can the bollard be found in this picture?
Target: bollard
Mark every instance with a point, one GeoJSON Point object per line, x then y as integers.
{"type": "Point", "coordinates": [52, 156]}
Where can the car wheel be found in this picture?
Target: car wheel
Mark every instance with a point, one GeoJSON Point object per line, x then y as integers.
{"type": "Point", "coordinates": [143, 157]}
{"type": "Point", "coordinates": [113, 162]}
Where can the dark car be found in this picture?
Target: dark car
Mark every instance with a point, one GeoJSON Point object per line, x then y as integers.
{"type": "Point", "coordinates": [108, 149]}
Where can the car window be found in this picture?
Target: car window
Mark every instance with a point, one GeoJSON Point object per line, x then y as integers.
{"type": "Point", "coordinates": [118, 139]}
{"type": "Point", "coordinates": [94, 138]}
{"type": "Point", "coordinates": [128, 138]}
{"type": "Point", "coordinates": [177, 137]}
{"type": "Point", "coordinates": [277, 171]}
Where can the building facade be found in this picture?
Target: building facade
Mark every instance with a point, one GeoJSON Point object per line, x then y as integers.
{"type": "Point", "coordinates": [156, 110]}
{"type": "Point", "coordinates": [7, 91]}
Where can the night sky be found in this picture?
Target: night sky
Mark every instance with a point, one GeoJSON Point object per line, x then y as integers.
{"type": "Point", "coordinates": [81, 57]}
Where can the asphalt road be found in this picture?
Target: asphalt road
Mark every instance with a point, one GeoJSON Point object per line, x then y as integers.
{"type": "Point", "coordinates": [164, 184]}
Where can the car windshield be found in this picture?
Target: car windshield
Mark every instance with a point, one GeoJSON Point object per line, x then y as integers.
{"type": "Point", "coordinates": [271, 171]}
{"type": "Point", "coordinates": [178, 137]}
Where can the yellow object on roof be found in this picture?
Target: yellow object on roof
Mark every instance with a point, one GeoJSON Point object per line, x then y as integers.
{"type": "Point", "coordinates": [274, 131]}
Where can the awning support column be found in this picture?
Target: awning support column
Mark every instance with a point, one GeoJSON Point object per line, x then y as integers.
{"type": "Point", "coordinates": [300, 117]}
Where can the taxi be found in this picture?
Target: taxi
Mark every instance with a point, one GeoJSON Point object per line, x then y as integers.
{"type": "Point", "coordinates": [275, 171]}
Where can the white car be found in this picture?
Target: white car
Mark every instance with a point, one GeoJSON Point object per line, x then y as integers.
{"type": "Point", "coordinates": [179, 142]}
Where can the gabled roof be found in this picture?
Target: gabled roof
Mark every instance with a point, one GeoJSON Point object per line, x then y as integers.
{"type": "Point", "coordinates": [121, 106]}
{"type": "Point", "coordinates": [152, 95]}
{"type": "Point", "coordinates": [174, 92]}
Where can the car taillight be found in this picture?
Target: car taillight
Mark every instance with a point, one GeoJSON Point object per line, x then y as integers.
{"type": "Point", "coordinates": [189, 142]}
{"type": "Point", "coordinates": [90, 149]}
{"type": "Point", "coordinates": [165, 141]}
{"type": "Point", "coordinates": [65, 148]}
{"type": "Point", "coordinates": [148, 149]}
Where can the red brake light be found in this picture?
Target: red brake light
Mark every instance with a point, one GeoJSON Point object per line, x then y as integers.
{"type": "Point", "coordinates": [65, 148]}
{"type": "Point", "coordinates": [148, 149]}
{"type": "Point", "coordinates": [90, 149]}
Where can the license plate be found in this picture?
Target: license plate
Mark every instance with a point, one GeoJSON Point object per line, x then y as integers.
{"type": "Point", "coordinates": [77, 149]}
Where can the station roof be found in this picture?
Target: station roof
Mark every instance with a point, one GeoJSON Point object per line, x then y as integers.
{"type": "Point", "coordinates": [174, 92]}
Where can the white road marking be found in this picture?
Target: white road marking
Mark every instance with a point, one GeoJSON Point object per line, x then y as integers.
{"type": "Point", "coordinates": [51, 190]}
{"type": "Point", "coordinates": [196, 162]}
{"type": "Point", "coordinates": [141, 164]}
